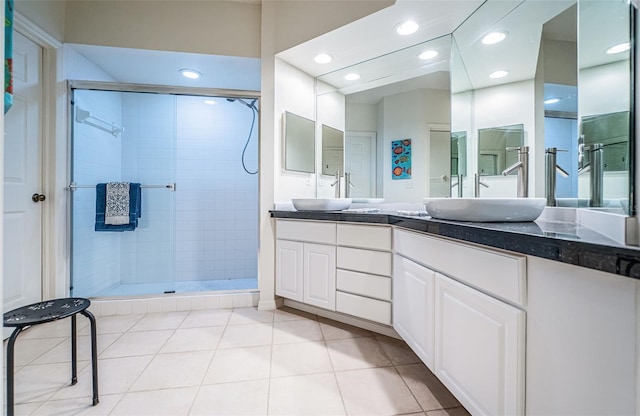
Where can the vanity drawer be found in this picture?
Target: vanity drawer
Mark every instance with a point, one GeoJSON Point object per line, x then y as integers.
{"type": "Point", "coordinates": [496, 272]}
{"type": "Point", "coordinates": [368, 261]}
{"type": "Point", "coordinates": [364, 236]}
{"type": "Point", "coordinates": [367, 308]}
{"type": "Point", "coordinates": [311, 231]}
{"type": "Point", "coordinates": [378, 287]}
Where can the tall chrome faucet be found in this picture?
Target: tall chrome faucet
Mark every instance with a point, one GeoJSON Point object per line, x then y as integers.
{"type": "Point", "coordinates": [596, 173]}
{"type": "Point", "coordinates": [478, 182]}
{"type": "Point", "coordinates": [347, 185]}
{"type": "Point", "coordinates": [551, 167]}
{"type": "Point", "coordinates": [459, 184]}
{"type": "Point", "coordinates": [336, 183]}
{"type": "Point", "coordinates": [523, 170]}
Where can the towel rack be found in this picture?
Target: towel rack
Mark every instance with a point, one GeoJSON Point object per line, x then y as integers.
{"type": "Point", "coordinates": [170, 186]}
{"type": "Point", "coordinates": [85, 116]}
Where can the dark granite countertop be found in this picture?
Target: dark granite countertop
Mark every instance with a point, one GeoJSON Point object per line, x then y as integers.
{"type": "Point", "coordinates": [567, 243]}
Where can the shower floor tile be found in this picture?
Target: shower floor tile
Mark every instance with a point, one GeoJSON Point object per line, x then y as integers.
{"type": "Point", "coordinates": [179, 287]}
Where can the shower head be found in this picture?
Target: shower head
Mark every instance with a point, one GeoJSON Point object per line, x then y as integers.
{"type": "Point", "coordinates": [251, 105]}
{"type": "Point", "coordinates": [231, 99]}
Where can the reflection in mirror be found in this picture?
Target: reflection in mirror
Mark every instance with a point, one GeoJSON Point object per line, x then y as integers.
{"type": "Point", "coordinates": [299, 143]}
{"type": "Point", "coordinates": [458, 162]}
{"type": "Point", "coordinates": [332, 151]}
{"type": "Point", "coordinates": [360, 162]}
{"type": "Point", "coordinates": [604, 86]}
{"type": "Point", "coordinates": [493, 157]}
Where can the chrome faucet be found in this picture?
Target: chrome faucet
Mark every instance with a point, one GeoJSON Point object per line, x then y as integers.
{"type": "Point", "coordinates": [347, 185]}
{"type": "Point", "coordinates": [478, 182]}
{"type": "Point", "coordinates": [523, 170]}
{"type": "Point", "coordinates": [336, 183]}
{"type": "Point", "coordinates": [459, 184]}
{"type": "Point", "coordinates": [595, 167]}
{"type": "Point", "coordinates": [551, 167]}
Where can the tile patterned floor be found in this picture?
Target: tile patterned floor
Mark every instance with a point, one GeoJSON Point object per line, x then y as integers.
{"type": "Point", "coordinates": [226, 362]}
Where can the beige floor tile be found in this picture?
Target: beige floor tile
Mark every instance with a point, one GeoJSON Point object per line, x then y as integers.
{"type": "Point", "coordinates": [165, 371]}
{"type": "Point", "coordinates": [209, 317]}
{"type": "Point", "coordinates": [375, 391]}
{"type": "Point", "coordinates": [397, 350]}
{"type": "Point", "coordinates": [158, 321]}
{"type": "Point", "coordinates": [290, 314]}
{"type": "Point", "coordinates": [62, 352]}
{"type": "Point", "coordinates": [239, 364]}
{"type": "Point", "coordinates": [337, 330]}
{"type": "Point", "coordinates": [456, 411]}
{"type": "Point", "coordinates": [55, 329]}
{"type": "Point", "coordinates": [243, 398]}
{"type": "Point", "coordinates": [115, 375]}
{"type": "Point", "coordinates": [24, 409]}
{"type": "Point", "coordinates": [112, 324]}
{"type": "Point", "coordinates": [137, 343]}
{"type": "Point", "coordinates": [194, 339]}
{"type": "Point", "coordinates": [250, 316]}
{"type": "Point", "coordinates": [356, 353]}
{"type": "Point", "coordinates": [249, 335]}
{"type": "Point", "coordinates": [428, 390]}
{"type": "Point", "coordinates": [28, 350]}
{"type": "Point", "coordinates": [315, 394]}
{"type": "Point", "coordinates": [169, 402]}
{"type": "Point", "coordinates": [300, 358]}
{"type": "Point", "coordinates": [79, 406]}
{"type": "Point", "coordinates": [37, 383]}
{"type": "Point", "coordinates": [296, 331]}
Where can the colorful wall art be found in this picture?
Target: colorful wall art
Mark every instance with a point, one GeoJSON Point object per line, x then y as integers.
{"type": "Point", "coordinates": [401, 159]}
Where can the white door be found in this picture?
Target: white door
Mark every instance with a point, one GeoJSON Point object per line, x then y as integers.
{"type": "Point", "coordinates": [479, 352]}
{"type": "Point", "coordinates": [440, 176]}
{"type": "Point", "coordinates": [22, 269]}
{"type": "Point", "coordinates": [413, 307]}
{"type": "Point", "coordinates": [360, 161]}
{"type": "Point", "coordinates": [289, 269]}
{"type": "Point", "coordinates": [320, 275]}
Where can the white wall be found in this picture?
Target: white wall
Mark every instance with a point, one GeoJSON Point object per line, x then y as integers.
{"type": "Point", "coordinates": [47, 14]}
{"type": "Point", "coordinates": [77, 67]}
{"type": "Point", "coordinates": [361, 117]}
{"type": "Point", "coordinates": [604, 89]}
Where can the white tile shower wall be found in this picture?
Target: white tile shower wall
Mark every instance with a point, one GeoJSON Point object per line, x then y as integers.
{"type": "Point", "coordinates": [217, 201]}
{"type": "Point", "coordinates": [96, 158]}
{"type": "Point", "coordinates": [148, 157]}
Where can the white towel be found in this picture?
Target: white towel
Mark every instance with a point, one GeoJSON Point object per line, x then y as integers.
{"type": "Point", "coordinates": [117, 203]}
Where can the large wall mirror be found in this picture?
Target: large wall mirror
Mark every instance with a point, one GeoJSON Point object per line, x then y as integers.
{"type": "Point", "coordinates": [332, 151]}
{"type": "Point", "coordinates": [299, 143]}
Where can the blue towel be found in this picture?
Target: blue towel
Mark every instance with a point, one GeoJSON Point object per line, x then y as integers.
{"type": "Point", "coordinates": [135, 208]}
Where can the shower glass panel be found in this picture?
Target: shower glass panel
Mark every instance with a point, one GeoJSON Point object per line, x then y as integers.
{"type": "Point", "coordinates": [200, 233]}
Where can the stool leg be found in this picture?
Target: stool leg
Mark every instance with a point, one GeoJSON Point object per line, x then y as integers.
{"type": "Point", "coordinates": [94, 354]}
{"type": "Point", "coordinates": [10, 365]}
{"type": "Point", "coordinates": [74, 352]}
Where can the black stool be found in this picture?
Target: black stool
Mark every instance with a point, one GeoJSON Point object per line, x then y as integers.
{"type": "Point", "coordinates": [48, 311]}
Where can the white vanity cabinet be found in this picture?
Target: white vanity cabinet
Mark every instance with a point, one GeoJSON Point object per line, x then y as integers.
{"type": "Point", "coordinates": [461, 313]}
{"type": "Point", "coordinates": [306, 262]}
{"type": "Point", "coordinates": [364, 266]}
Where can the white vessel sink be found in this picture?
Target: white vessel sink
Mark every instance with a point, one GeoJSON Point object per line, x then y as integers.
{"type": "Point", "coordinates": [321, 204]}
{"type": "Point", "coordinates": [485, 209]}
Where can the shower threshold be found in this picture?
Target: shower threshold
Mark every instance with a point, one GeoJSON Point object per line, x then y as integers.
{"type": "Point", "coordinates": [180, 287]}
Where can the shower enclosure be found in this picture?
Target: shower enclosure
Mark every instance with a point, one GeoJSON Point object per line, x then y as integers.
{"type": "Point", "coordinates": [196, 158]}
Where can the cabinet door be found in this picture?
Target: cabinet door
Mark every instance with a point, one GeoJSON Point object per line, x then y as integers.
{"type": "Point", "coordinates": [479, 352]}
{"type": "Point", "coordinates": [320, 275]}
{"type": "Point", "coordinates": [413, 307]}
{"type": "Point", "coordinates": [289, 269]}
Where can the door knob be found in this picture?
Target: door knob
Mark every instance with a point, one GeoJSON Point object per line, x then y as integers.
{"type": "Point", "coordinates": [37, 197]}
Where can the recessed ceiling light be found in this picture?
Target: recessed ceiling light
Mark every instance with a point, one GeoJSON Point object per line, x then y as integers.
{"type": "Point", "coordinates": [352, 77]}
{"type": "Point", "coordinates": [210, 102]}
{"type": "Point", "coordinates": [552, 100]}
{"type": "Point", "coordinates": [323, 58]}
{"type": "Point", "coordinates": [426, 55]}
{"type": "Point", "coordinates": [190, 73]}
{"type": "Point", "coordinates": [498, 74]}
{"type": "Point", "coordinates": [622, 47]}
{"type": "Point", "coordinates": [407, 28]}
{"type": "Point", "coordinates": [494, 37]}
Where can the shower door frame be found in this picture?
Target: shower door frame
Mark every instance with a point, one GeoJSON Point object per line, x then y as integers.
{"type": "Point", "coordinates": [143, 88]}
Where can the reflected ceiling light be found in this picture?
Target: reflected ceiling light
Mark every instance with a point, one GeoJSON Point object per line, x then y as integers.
{"type": "Point", "coordinates": [190, 73]}
{"type": "Point", "coordinates": [426, 55]}
{"type": "Point", "coordinates": [407, 28]}
{"type": "Point", "coordinates": [352, 77]}
{"type": "Point", "coordinates": [498, 74]}
{"type": "Point", "coordinates": [552, 100]}
{"type": "Point", "coordinates": [323, 58]}
{"type": "Point", "coordinates": [494, 37]}
{"type": "Point", "coordinates": [210, 102]}
{"type": "Point", "coordinates": [622, 47]}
